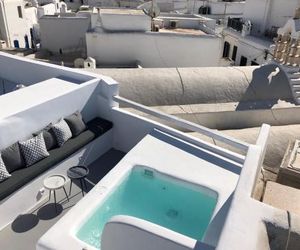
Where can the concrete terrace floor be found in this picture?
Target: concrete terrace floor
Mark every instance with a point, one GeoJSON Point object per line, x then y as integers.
{"type": "Point", "coordinates": [24, 232]}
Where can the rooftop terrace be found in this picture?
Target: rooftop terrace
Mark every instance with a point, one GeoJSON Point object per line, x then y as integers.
{"type": "Point", "coordinates": [140, 141]}
{"type": "Point", "coordinates": [27, 228]}
{"type": "Point", "coordinates": [122, 11]}
{"type": "Point", "coordinates": [183, 31]}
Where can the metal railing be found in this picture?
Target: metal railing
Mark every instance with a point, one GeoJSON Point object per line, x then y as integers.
{"type": "Point", "coordinates": [215, 135]}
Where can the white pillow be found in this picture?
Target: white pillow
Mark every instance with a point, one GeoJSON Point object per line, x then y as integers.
{"type": "Point", "coordinates": [62, 132]}
{"type": "Point", "coordinates": [3, 171]}
{"type": "Point", "coordinates": [34, 149]}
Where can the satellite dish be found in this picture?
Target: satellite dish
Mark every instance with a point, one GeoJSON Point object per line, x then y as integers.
{"type": "Point", "coordinates": [150, 9]}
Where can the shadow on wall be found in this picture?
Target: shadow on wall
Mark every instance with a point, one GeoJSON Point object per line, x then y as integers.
{"type": "Point", "coordinates": [268, 85]}
{"type": "Point", "coordinates": [198, 152]}
{"type": "Point", "coordinates": [215, 227]}
{"type": "Point", "coordinates": [282, 238]}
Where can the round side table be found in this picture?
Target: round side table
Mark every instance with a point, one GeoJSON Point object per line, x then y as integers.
{"type": "Point", "coordinates": [78, 173]}
{"type": "Point", "coordinates": [53, 183]}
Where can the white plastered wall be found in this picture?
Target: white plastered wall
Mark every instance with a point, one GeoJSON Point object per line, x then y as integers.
{"type": "Point", "coordinates": [65, 33]}
{"type": "Point", "coordinates": [154, 49]}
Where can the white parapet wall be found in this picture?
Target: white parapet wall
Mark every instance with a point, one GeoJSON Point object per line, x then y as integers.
{"type": "Point", "coordinates": [22, 70]}
{"type": "Point", "coordinates": [63, 33]}
{"type": "Point", "coordinates": [154, 49]}
{"type": "Point", "coordinates": [125, 20]}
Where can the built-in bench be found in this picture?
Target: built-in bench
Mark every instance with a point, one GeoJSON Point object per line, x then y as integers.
{"type": "Point", "coordinates": [20, 177]}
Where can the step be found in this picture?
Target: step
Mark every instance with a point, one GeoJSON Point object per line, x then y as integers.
{"type": "Point", "coordinates": [294, 75]}
{"type": "Point", "coordinates": [291, 70]}
{"type": "Point", "coordinates": [297, 94]}
{"type": "Point", "coordinates": [296, 88]}
{"type": "Point", "coordinates": [295, 81]}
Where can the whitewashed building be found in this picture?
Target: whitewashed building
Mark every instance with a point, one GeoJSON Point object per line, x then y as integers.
{"type": "Point", "coordinates": [247, 40]}
{"type": "Point", "coordinates": [50, 7]}
{"type": "Point", "coordinates": [75, 4]}
{"type": "Point", "coordinates": [124, 38]}
{"type": "Point", "coordinates": [217, 8]}
{"type": "Point", "coordinates": [17, 21]}
{"type": "Point", "coordinates": [65, 33]}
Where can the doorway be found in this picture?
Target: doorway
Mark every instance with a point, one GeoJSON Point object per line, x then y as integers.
{"type": "Point", "coordinates": [16, 44]}
{"type": "Point", "coordinates": [243, 61]}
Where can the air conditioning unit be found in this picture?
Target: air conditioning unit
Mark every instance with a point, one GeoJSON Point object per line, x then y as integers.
{"type": "Point", "coordinates": [173, 24]}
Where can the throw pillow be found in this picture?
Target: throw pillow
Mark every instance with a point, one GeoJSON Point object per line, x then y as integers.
{"type": "Point", "coordinates": [3, 171]}
{"type": "Point", "coordinates": [49, 137]}
{"type": "Point", "coordinates": [13, 158]}
{"type": "Point", "coordinates": [62, 132]}
{"type": "Point", "coordinates": [76, 123]}
{"type": "Point", "coordinates": [34, 149]}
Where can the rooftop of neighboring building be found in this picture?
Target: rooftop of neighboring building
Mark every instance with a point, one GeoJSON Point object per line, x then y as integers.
{"type": "Point", "coordinates": [63, 16]}
{"type": "Point", "coordinates": [122, 11]}
{"type": "Point", "coordinates": [183, 31]}
{"type": "Point", "coordinates": [262, 41]}
{"type": "Point", "coordinates": [180, 15]}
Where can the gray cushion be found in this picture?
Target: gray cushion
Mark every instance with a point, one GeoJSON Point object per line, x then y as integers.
{"type": "Point", "coordinates": [62, 132]}
{"type": "Point", "coordinates": [49, 137]}
{"type": "Point", "coordinates": [3, 171]}
{"type": "Point", "coordinates": [76, 123]}
{"type": "Point", "coordinates": [20, 177]}
{"type": "Point", "coordinates": [34, 149]}
{"type": "Point", "coordinates": [13, 158]}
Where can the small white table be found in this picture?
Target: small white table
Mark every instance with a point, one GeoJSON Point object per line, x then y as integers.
{"type": "Point", "coordinates": [53, 183]}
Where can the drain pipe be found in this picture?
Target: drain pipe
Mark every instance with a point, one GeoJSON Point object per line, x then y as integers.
{"type": "Point", "coordinates": [289, 232]}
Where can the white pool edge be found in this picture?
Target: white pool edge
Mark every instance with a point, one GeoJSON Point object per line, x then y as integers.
{"type": "Point", "coordinates": [89, 204]}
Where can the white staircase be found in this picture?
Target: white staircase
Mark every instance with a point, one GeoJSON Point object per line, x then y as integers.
{"type": "Point", "coordinates": [293, 75]}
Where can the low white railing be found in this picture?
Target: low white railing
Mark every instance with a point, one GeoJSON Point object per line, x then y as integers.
{"type": "Point", "coordinates": [243, 146]}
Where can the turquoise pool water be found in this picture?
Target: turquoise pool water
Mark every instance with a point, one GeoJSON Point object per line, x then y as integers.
{"type": "Point", "coordinates": [153, 197]}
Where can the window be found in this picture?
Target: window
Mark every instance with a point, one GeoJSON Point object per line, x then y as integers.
{"type": "Point", "coordinates": [233, 56]}
{"type": "Point", "coordinates": [226, 49]}
{"type": "Point", "coordinates": [243, 61]}
{"type": "Point", "coordinates": [235, 23]}
{"type": "Point", "coordinates": [20, 11]}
